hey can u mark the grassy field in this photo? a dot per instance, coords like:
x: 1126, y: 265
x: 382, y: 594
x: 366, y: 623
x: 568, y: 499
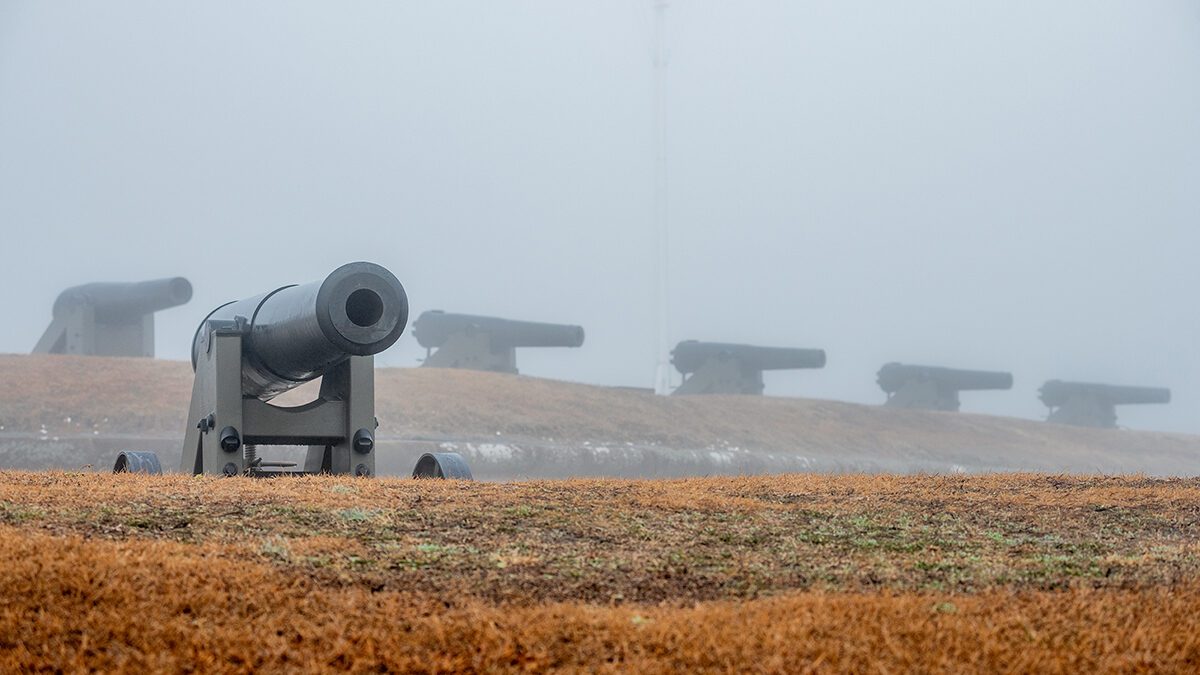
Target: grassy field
x: 780, y: 574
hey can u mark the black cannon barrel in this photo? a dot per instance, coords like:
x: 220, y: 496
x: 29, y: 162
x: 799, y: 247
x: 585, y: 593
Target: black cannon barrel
x: 893, y: 376
x: 434, y: 327
x: 1055, y: 393
x: 689, y: 355
x: 126, y: 299
x: 295, y: 333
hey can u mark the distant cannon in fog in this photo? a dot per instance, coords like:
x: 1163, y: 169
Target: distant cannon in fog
x: 721, y: 368
x: 110, y: 319
x: 933, y: 387
x: 1085, y: 404
x: 484, y: 342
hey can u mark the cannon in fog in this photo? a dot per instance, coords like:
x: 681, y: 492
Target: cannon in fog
x: 1084, y: 404
x: 110, y: 319
x: 720, y: 368
x: 245, y: 353
x: 933, y: 387
x: 485, y: 342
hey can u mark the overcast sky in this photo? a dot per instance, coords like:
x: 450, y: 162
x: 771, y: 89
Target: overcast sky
x: 977, y: 184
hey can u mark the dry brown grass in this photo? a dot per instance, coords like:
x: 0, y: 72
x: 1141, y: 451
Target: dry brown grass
x: 73, y: 604
x: 782, y: 574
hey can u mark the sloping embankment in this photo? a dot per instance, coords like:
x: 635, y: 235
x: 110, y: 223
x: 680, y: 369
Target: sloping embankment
x: 59, y: 411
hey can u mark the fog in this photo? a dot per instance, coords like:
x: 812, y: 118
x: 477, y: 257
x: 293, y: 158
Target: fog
x: 985, y: 185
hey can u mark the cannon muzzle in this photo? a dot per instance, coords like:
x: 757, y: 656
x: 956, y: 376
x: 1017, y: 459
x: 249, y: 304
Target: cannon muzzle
x: 893, y: 376
x: 295, y: 333
x: 690, y: 355
x: 123, y: 301
x: 435, y: 327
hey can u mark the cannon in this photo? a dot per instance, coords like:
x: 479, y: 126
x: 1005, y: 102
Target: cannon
x: 1086, y: 404
x: 110, y: 319
x: 934, y: 387
x: 721, y: 368
x: 246, y: 353
x: 485, y: 342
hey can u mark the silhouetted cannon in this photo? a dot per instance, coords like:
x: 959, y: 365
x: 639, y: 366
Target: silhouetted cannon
x: 722, y: 368
x: 485, y: 342
x: 1087, y: 404
x: 934, y: 387
x: 247, y: 352
x: 110, y: 319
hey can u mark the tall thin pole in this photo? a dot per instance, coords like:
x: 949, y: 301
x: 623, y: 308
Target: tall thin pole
x: 662, y: 372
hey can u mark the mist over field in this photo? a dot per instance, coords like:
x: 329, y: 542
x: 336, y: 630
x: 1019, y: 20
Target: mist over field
x: 982, y: 185
x: 988, y: 197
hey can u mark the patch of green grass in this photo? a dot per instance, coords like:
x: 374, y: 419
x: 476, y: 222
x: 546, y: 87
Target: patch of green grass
x: 861, y: 522
x: 277, y: 548
x: 356, y: 514
x: 999, y: 538
x: 12, y: 514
